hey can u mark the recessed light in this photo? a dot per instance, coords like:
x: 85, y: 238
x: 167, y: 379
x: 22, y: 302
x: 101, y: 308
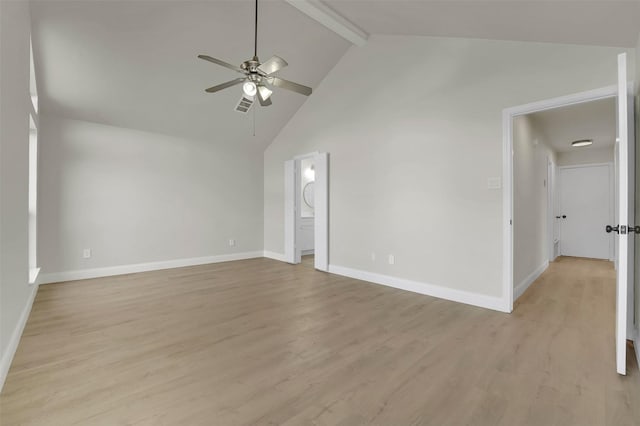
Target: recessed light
x: 582, y: 142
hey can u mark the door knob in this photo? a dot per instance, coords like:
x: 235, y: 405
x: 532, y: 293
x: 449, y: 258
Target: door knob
x: 610, y: 228
x: 564, y: 216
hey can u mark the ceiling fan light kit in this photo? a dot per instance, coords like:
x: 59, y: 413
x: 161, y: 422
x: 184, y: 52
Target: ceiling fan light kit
x: 256, y: 77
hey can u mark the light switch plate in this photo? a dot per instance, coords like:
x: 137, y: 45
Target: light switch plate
x: 494, y: 183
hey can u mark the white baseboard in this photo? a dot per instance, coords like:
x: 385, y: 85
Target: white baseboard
x: 307, y: 252
x: 524, y: 285
x: 7, y: 356
x: 636, y: 346
x: 275, y: 256
x: 480, y: 300
x: 84, y: 274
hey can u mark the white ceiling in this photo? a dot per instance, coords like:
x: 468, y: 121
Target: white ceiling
x: 590, y: 120
x: 601, y: 23
x: 134, y: 64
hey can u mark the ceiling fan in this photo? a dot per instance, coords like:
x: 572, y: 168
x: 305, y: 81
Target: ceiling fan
x: 256, y: 77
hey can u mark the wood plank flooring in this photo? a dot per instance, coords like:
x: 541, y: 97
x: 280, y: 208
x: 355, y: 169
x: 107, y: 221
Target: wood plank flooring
x: 259, y: 342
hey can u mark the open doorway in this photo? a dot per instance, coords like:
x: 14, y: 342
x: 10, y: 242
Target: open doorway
x: 618, y: 284
x: 563, y: 186
x: 307, y: 210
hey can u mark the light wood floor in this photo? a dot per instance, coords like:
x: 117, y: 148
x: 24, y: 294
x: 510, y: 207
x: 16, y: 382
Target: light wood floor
x: 259, y: 342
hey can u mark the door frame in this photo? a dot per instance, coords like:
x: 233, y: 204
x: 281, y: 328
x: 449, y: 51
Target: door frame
x: 611, y: 218
x: 292, y: 203
x: 552, y: 188
x: 508, y: 114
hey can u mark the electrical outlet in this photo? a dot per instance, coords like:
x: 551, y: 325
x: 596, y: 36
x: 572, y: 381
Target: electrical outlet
x: 86, y: 253
x: 232, y: 242
x: 392, y: 259
x: 373, y: 257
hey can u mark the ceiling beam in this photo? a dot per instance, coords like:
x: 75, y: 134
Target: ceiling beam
x: 322, y: 13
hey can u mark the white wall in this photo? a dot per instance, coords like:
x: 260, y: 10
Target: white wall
x: 15, y: 292
x: 413, y: 141
x: 135, y: 197
x: 585, y: 156
x: 637, y: 218
x: 530, y: 233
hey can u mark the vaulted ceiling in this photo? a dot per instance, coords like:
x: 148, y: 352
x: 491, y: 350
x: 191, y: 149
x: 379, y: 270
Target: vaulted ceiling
x: 600, y: 23
x: 133, y: 63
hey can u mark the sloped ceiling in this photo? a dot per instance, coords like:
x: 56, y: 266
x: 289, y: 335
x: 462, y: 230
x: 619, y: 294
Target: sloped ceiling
x: 601, y: 23
x: 133, y: 64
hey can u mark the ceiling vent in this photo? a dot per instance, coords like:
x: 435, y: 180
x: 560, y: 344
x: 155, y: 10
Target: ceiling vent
x: 245, y: 104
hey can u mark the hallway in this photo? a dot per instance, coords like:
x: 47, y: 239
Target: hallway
x: 573, y: 303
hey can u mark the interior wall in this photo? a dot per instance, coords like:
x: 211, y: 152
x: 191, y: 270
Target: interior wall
x: 136, y: 197
x: 530, y: 233
x: 413, y: 141
x: 585, y: 156
x: 14, y: 171
x: 637, y: 218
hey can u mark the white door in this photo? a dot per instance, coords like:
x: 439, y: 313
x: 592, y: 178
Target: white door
x: 585, y: 205
x: 626, y: 202
x: 321, y: 196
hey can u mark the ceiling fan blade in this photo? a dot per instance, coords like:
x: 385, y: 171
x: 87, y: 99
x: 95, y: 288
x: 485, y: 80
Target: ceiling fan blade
x: 263, y: 101
x: 275, y: 63
x: 290, y: 85
x: 224, y: 85
x: 222, y: 63
x: 264, y: 95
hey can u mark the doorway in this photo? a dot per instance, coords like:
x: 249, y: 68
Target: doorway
x: 307, y: 210
x: 532, y: 193
x: 562, y: 186
x: 624, y: 177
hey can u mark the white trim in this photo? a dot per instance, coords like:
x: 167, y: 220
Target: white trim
x: 84, y: 274
x: 326, y: 16
x: 321, y: 212
x: 460, y: 296
x: 581, y: 166
x: 507, y: 172
x: 304, y: 156
x: 275, y: 256
x: 12, y: 347
x: 529, y: 279
x: 552, y: 189
x: 33, y: 275
x: 290, y: 178
x: 636, y: 346
x: 562, y: 101
x: 625, y: 247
